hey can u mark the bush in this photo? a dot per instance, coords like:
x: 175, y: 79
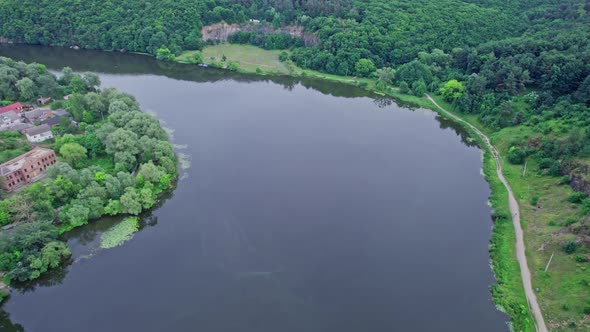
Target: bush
x: 283, y: 56
x: 555, y: 169
x: 500, y: 215
x: 216, y: 64
x: 586, y: 206
x: 57, y: 104
x: 4, y: 295
x: 565, y: 180
x: 268, y: 41
x: 419, y: 88
x: 164, y: 54
x: 546, y: 163
x: 198, y: 57
x: 581, y: 259
x: 570, y: 221
x: 404, y: 88
x: 516, y: 155
x: 381, y: 86
x: 570, y: 247
x: 364, y: 67
x: 233, y: 66
x: 576, y: 197
x: 452, y: 90
x: 535, y: 200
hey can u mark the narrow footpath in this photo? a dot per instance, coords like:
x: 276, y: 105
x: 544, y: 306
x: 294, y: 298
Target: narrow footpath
x: 525, y: 273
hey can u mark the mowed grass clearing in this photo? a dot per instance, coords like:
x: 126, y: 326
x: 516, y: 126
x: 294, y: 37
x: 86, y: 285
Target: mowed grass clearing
x: 249, y: 57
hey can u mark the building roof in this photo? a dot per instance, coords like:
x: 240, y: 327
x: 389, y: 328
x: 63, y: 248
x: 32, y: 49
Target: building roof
x: 38, y: 130
x: 54, y: 120
x: 11, y: 115
x: 37, y: 113
x: 16, y: 107
x: 18, y: 162
x: 20, y: 126
x: 61, y: 112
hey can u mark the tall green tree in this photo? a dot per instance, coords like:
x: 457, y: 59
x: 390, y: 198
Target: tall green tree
x: 73, y: 153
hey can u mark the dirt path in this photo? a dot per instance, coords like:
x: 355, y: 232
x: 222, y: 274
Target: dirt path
x: 525, y: 273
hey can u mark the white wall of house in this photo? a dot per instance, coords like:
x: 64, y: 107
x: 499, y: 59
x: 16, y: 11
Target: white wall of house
x: 39, y: 137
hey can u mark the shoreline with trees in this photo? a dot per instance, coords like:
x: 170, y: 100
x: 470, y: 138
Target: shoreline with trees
x: 116, y: 161
x: 509, y: 293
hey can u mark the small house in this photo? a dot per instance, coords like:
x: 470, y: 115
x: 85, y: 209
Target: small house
x: 16, y: 107
x: 38, y: 133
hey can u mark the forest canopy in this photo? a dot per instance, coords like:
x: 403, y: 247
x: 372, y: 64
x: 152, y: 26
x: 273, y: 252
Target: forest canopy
x: 514, y: 62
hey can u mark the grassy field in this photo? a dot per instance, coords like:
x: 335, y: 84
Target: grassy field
x: 249, y: 58
x: 564, y: 290
x: 508, y: 292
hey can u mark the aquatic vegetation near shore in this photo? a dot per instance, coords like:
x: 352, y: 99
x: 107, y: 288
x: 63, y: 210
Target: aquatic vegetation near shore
x: 119, y: 233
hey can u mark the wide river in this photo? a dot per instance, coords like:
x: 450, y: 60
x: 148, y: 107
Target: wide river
x: 302, y: 206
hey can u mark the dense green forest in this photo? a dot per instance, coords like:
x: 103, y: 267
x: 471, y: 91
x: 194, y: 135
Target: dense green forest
x: 116, y: 161
x: 516, y: 62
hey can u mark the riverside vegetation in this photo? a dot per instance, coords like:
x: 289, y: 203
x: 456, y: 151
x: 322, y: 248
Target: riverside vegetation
x: 116, y: 161
x: 518, y: 70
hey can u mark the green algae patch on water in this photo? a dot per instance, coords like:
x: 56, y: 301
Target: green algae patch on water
x: 119, y: 233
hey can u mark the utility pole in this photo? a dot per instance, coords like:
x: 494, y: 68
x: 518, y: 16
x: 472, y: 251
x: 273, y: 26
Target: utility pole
x: 550, y: 258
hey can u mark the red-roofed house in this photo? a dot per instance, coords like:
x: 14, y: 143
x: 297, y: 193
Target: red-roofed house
x: 16, y: 107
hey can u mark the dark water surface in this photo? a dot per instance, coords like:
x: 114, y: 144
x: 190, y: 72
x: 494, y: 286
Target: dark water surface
x: 307, y: 206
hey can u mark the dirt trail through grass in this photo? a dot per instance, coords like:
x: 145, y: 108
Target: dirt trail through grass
x: 514, y: 210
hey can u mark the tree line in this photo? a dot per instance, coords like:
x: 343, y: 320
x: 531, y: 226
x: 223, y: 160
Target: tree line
x: 508, y: 62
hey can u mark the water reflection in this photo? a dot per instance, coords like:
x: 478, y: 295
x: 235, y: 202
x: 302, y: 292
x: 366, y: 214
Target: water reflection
x: 56, y: 58
x: 85, y: 242
x: 460, y: 130
x: 124, y: 63
x: 6, y: 325
x: 303, y: 212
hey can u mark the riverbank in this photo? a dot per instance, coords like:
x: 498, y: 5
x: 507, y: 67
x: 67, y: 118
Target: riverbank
x: 559, y: 279
x: 556, y: 302
x: 563, y: 292
x: 109, y: 158
x: 493, y: 162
